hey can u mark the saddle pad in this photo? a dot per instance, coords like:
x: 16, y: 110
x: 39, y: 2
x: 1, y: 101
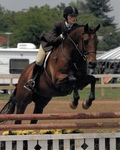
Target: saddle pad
x: 46, y: 58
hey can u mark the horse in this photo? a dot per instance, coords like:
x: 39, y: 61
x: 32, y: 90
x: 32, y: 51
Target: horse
x: 71, y: 57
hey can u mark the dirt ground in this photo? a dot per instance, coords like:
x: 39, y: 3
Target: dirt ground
x: 62, y: 106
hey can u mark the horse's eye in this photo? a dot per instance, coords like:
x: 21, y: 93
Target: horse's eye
x: 86, y: 42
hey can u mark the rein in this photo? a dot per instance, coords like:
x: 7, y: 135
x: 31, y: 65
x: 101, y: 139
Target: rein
x: 82, y: 54
x: 76, y: 46
x: 83, y: 45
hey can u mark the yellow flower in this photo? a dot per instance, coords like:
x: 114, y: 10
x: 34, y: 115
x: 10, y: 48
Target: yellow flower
x: 46, y: 131
x: 57, y: 132
x: 5, y: 133
x: 18, y: 132
x: 26, y: 132
x: 9, y: 132
x: 32, y: 132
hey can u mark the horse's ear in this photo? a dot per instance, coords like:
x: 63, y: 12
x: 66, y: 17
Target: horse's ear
x: 97, y: 28
x: 86, y: 27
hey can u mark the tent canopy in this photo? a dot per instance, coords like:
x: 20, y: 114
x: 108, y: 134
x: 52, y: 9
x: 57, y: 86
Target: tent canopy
x: 112, y: 54
x: 108, y: 62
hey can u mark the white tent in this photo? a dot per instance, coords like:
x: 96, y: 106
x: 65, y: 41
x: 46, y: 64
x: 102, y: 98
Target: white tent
x: 112, y: 54
x: 108, y: 61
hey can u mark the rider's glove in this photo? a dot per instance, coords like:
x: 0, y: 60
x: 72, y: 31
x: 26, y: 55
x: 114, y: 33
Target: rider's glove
x: 64, y: 34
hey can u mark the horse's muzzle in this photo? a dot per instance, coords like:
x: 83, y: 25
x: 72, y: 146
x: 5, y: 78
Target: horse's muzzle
x: 92, y: 65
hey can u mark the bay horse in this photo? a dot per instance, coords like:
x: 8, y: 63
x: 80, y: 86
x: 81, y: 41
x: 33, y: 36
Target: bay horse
x: 71, y: 57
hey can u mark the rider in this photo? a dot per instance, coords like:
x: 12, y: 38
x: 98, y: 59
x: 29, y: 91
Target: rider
x: 52, y: 39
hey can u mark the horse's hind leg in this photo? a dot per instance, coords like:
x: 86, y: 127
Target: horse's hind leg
x: 40, y: 103
x: 88, y: 102
x: 20, y: 110
x: 22, y: 103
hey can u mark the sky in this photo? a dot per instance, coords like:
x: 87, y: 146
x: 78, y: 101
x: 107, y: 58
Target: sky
x: 18, y: 5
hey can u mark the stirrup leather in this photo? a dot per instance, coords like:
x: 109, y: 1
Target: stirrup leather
x: 29, y: 85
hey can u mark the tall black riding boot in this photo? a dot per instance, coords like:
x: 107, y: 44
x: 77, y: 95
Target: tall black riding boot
x: 30, y: 84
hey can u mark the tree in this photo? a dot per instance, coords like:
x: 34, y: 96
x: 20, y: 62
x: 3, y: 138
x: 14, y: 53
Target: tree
x: 112, y: 40
x: 27, y: 26
x: 99, y: 8
x: 3, y: 22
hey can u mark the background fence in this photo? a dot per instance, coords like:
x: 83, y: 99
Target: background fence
x: 9, y: 81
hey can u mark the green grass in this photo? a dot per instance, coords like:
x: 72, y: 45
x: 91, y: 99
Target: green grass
x: 4, y: 96
x: 109, y: 93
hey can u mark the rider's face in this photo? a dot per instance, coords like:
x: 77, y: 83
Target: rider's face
x: 72, y: 19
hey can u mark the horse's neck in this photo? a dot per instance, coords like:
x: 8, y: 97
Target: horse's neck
x: 71, y: 49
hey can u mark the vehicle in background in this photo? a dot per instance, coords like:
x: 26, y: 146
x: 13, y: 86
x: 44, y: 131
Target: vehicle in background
x: 14, y: 60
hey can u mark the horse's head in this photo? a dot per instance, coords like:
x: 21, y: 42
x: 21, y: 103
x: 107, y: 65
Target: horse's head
x: 89, y: 44
x: 85, y: 40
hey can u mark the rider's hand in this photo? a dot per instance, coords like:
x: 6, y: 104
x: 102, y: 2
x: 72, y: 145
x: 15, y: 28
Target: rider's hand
x: 64, y: 34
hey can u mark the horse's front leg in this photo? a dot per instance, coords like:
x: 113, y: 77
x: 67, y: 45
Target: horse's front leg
x: 76, y: 98
x: 88, y: 102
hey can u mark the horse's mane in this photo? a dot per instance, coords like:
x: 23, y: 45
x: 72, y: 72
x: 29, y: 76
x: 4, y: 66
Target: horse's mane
x: 78, y: 26
x: 89, y: 29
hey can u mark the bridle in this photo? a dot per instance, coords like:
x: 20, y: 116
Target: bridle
x: 76, y: 47
x: 84, y: 52
x: 84, y: 48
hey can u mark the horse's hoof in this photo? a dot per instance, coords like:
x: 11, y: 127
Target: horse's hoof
x: 84, y: 106
x: 72, y: 106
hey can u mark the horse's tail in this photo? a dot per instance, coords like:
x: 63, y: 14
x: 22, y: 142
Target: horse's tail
x: 9, y: 107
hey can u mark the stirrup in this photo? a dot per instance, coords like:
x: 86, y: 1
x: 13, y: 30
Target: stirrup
x: 72, y: 78
x: 29, y: 85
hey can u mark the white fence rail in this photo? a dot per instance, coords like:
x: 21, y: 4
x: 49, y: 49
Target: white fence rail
x: 8, y: 81
x: 84, y: 141
x: 11, y: 77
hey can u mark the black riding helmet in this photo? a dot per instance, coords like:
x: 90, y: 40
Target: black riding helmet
x: 70, y: 11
